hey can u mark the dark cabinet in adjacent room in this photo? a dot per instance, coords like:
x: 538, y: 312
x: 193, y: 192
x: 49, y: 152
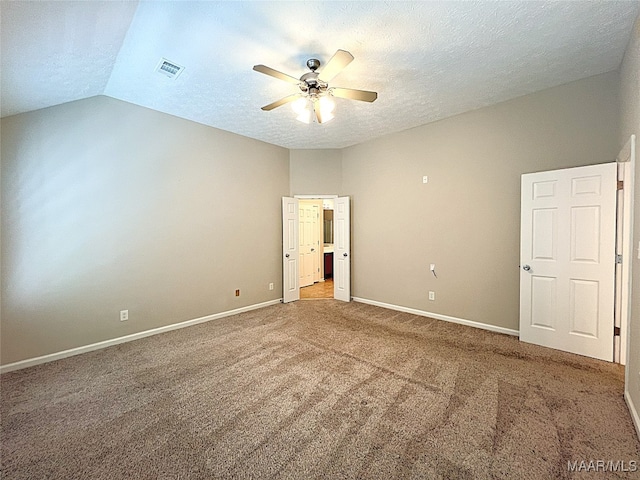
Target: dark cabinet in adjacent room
x: 328, y: 265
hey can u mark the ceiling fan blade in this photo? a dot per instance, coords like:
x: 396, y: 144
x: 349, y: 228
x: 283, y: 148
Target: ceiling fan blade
x: 275, y: 73
x: 334, y: 66
x: 352, y: 94
x: 282, y: 101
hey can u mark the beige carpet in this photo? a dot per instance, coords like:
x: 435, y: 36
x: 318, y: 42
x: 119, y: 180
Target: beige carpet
x: 317, y: 389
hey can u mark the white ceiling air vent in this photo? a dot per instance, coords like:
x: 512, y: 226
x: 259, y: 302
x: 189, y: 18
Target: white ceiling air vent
x: 170, y: 69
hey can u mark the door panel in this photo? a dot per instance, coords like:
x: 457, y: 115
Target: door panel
x: 290, y: 290
x: 543, y: 310
x: 544, y: 242
x: 568, y: 257
x: 585, y: 234
x: 584, y: 308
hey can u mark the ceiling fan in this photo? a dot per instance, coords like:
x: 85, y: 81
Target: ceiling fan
x: 315, y: 90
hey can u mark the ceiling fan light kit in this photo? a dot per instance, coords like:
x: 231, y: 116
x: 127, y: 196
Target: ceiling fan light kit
x: 315, y: 93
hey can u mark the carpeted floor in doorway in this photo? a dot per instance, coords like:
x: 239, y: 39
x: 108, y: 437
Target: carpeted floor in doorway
x: 319, y: 389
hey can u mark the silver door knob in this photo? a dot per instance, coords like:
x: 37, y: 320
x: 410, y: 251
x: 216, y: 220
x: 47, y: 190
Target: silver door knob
x: 526, y: 268
x: 286, y: 255
x: 344, y: 254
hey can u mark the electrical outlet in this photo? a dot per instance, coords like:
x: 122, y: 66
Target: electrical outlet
x: 271, y: 286
x: 425, y: 179
x: 237, y: 292
x: 124, y: 315
x: 432, y: 267
x: 432, y: 296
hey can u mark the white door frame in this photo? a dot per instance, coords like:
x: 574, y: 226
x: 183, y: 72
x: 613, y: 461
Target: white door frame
x: 626, y: 161
x: 314, y: 197
x: 317, y: 197
x: 626, y: 172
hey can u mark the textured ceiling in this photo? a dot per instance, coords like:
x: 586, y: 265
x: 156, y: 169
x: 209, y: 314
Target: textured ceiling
x: 426, y: 60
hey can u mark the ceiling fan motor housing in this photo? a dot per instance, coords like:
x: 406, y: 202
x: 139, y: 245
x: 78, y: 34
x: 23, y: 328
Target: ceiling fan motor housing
x: 309, y: 82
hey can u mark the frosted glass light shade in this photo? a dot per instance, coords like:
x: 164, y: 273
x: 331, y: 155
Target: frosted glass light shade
x: 300, y: 105
x: 304, y: 116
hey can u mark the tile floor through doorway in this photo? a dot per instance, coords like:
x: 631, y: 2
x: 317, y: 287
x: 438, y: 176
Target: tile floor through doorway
x: 318, y: 290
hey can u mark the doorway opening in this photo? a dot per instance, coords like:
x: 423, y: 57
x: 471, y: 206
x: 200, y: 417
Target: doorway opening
x: 316, y: 247
x: 597, y: 324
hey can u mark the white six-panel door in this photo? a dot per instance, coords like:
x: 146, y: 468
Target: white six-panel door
x: 567, y: 256
x: 308, y: 240
x: 317, y: 251
x: 342, y: 249
x: 290, y: 255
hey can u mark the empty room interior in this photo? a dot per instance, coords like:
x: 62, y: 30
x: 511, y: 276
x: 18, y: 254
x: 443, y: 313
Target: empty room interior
x: 319, y: 239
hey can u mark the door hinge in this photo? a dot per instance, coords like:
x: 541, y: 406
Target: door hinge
x: 618, y: 258
x: 616, y: 331
x: 620, y: 185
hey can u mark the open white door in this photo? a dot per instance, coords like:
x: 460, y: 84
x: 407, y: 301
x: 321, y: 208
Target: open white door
x: 567, y: 258
x: 342, y: 249
x: 290, y: 254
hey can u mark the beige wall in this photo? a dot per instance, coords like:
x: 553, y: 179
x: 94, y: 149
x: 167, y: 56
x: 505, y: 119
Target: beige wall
x: 316, y: 172
x: 109, y: 206
x: 630, y: 124
x: 466, y: 220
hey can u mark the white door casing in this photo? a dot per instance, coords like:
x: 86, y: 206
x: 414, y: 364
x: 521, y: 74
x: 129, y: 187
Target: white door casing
x: 619, y: 308
x: 291, y: 242
x: 290, y: 255
x: 342, y: 249
x: 567, y: 258
x: 626, y: 166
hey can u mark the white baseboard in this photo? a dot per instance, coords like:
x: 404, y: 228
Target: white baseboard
x: 633, y: 411
x: 10, y: 367
x: 437, y: 316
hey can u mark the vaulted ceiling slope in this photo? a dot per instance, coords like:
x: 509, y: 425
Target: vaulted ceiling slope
x: 426, y: 60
